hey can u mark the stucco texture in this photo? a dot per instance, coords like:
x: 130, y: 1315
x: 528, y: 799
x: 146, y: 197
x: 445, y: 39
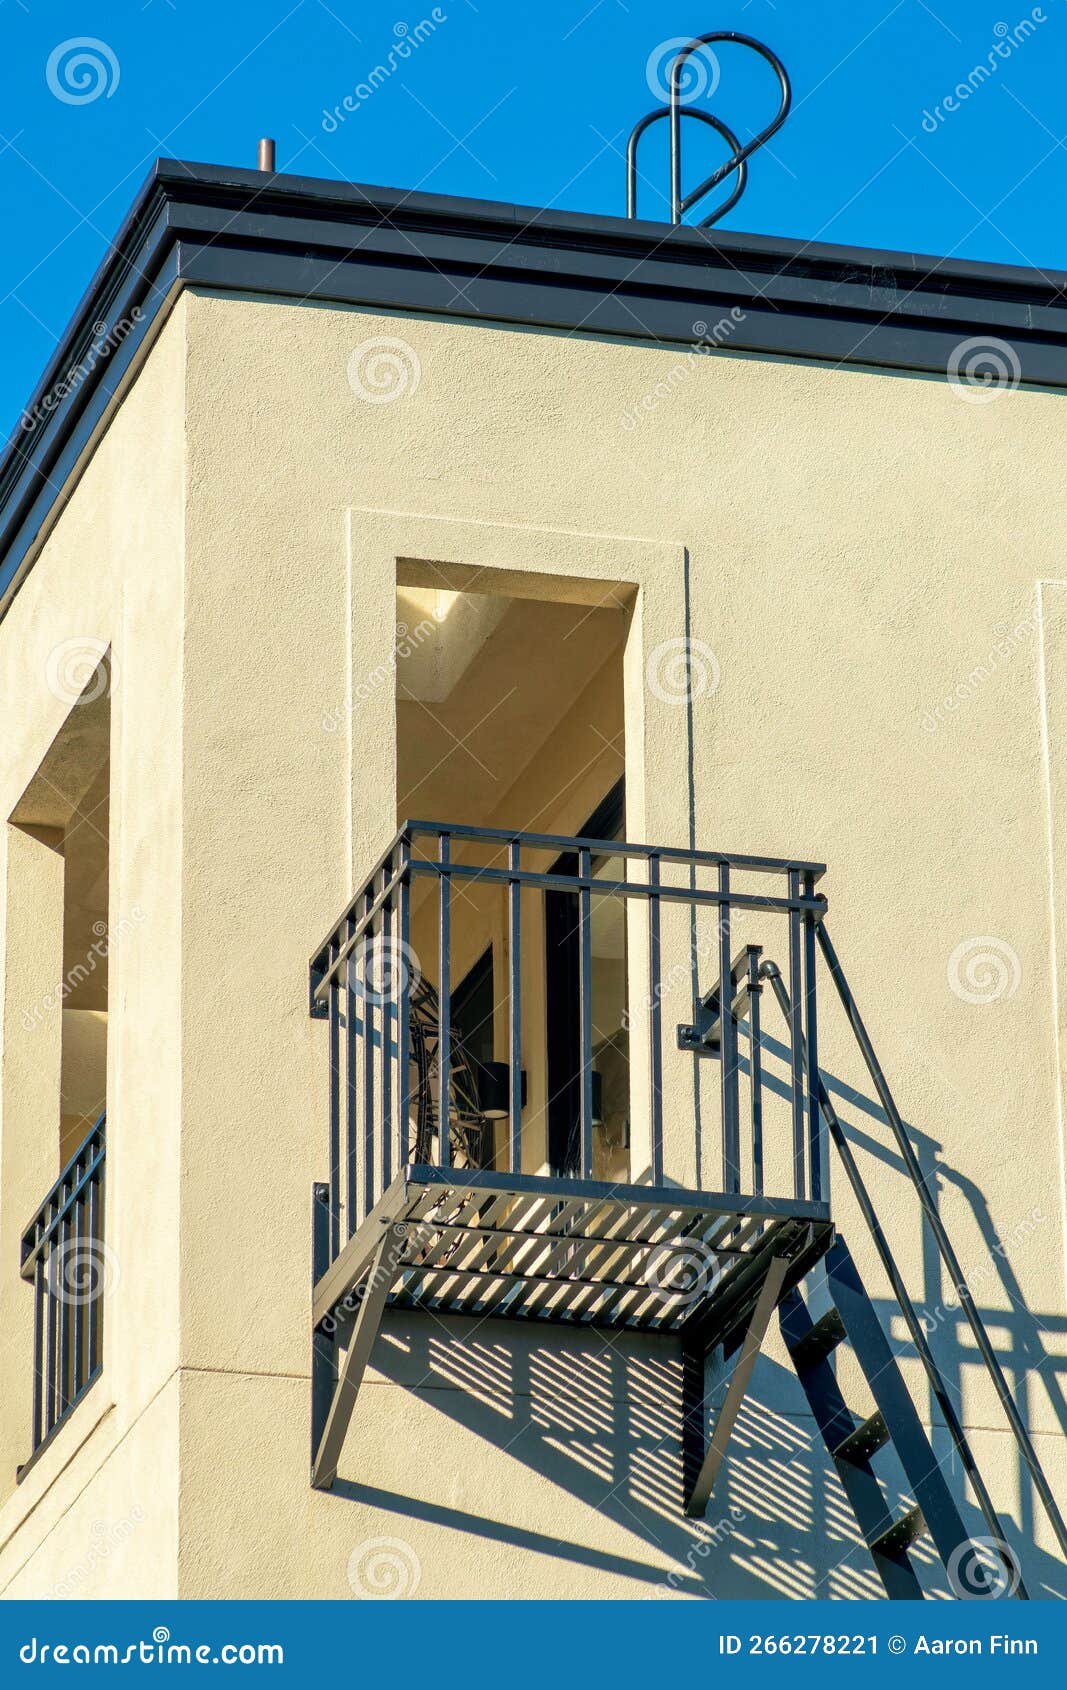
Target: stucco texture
x: 844, y: 550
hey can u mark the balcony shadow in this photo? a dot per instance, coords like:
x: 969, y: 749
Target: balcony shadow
x: 605, y: 1426
x: 601, y: 1417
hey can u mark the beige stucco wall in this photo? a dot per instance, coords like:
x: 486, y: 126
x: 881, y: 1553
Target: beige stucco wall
x: 848, y: 543
x: 850, y: 546
x: 97, y: 1514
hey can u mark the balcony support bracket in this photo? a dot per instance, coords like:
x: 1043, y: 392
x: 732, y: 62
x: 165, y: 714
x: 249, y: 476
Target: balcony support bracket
x: 768, y: 1300
x: 374, y: 1293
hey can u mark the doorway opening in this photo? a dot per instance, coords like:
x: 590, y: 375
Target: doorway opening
x: 509, y: 711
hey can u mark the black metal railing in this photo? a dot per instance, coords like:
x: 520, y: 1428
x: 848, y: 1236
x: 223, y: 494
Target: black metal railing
x: 398, y: 1070
x: 64, y: 1258
x: 366, y: 980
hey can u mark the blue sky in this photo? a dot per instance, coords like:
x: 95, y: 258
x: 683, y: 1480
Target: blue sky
x: 530, y: 103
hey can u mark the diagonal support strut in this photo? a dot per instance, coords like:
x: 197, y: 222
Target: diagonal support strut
x: 766, y: 1303
x: 376, y: 1289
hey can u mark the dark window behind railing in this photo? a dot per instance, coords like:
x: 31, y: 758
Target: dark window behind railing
x: 397, y: 1061
x: 64, y: 1258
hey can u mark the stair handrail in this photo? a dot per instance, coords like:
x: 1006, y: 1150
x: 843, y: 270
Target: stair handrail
x: 944, y: 1243
x: 771, y: 972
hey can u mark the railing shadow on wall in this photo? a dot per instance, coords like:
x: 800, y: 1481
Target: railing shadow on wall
x: 606, y: 1428
x: 606, y: 1424
x: 1018, y: 1332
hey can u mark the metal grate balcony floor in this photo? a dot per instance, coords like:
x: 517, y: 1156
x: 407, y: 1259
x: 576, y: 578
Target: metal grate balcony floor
x: 577, y: 1252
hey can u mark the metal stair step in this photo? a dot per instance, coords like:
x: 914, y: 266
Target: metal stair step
x: 818, y: 1343
x: 841, y: 1431
x: 900, y: 1535
x: 864, y: 1441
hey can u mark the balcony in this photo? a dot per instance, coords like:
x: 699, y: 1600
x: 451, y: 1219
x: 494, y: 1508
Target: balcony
x: 62, y: 1258
x: 453, y: 1190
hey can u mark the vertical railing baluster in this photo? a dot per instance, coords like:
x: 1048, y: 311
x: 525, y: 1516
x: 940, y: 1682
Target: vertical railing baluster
x: 731, y: 1129
x: 62, y: 1285
x: 71, y: 1282
x: 334, y: 1001
x: 515, y: 1008
x: 755, y: 993
x: 96, y: 1307
x: 796, y: 1035
x: 50, y: 1345
x: 324, y: 1338
x: 816, y: 1165
x: 92, y: 1338
x: 388, y: 980
x: 351, y: 1151
x: 655, y: 1020
x: 81, y: 1254
x: 444, y: 1046
x: 78, y: 1371
x: 39, y: 1305
x: 78, y: 1312
x: 369, y: 945
x: 585, y: 1003
x: 403, y: 1044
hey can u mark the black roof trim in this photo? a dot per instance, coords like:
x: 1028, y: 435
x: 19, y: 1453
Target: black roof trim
x: 309, y: 238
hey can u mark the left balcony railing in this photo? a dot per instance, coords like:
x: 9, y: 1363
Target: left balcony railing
x: 63, y: 1257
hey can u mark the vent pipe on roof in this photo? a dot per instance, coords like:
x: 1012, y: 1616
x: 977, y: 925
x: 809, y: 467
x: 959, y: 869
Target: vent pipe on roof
x: 266, y: 155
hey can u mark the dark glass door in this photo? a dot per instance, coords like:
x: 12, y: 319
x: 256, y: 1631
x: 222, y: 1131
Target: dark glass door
x: 611, y: 1066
